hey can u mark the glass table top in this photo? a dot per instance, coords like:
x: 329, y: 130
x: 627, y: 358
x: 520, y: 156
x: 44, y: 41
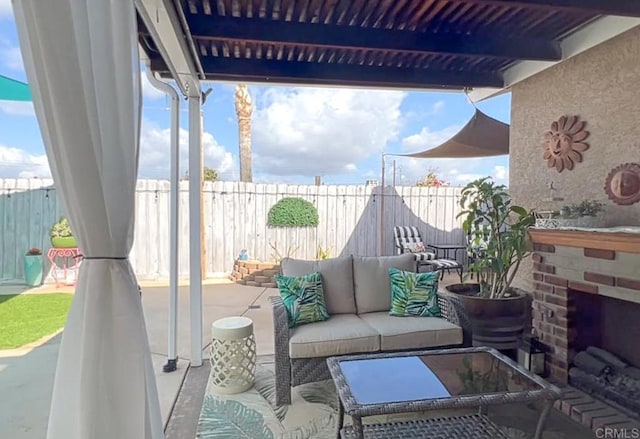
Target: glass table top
x: 413, y: 378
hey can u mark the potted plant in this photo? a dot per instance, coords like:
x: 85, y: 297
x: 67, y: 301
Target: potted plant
x: 583, y: 214
x: 33, y: 267
x: 498, y: 239
x: 61, y: 235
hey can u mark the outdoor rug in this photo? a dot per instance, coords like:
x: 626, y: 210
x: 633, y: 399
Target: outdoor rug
x: 313, y: 414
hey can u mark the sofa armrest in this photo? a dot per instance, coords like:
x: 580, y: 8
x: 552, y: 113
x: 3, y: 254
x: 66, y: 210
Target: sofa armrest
x: 281, y: 348
x: 453, y: 310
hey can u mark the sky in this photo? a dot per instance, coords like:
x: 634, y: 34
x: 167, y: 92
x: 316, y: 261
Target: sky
x: 339, y: 134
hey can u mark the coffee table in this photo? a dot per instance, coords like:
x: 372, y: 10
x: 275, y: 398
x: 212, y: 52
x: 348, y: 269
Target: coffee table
x: 404, y: 382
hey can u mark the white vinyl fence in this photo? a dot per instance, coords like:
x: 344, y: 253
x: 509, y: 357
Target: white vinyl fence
x: 234, y: 218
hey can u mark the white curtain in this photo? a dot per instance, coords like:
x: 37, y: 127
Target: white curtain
x: 82, y: 64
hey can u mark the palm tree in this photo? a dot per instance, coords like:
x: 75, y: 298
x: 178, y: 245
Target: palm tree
x: 244, y: 108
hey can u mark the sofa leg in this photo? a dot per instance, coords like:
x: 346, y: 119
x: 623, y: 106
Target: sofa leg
x: 283, y: 396
x: 283, y: 386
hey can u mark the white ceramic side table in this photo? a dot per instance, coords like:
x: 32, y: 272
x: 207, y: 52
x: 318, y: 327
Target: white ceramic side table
x: 233, y: 355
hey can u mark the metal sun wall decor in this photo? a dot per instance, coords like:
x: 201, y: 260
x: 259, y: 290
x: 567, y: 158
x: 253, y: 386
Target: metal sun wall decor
x: 564, y: 143
x: 623, y: 184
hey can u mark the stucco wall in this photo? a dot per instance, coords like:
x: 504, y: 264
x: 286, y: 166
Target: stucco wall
x: 602, y: 86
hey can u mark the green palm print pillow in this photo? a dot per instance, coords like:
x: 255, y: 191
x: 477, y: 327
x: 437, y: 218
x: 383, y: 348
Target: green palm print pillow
x: 414, y: 294
x: 303, y: 298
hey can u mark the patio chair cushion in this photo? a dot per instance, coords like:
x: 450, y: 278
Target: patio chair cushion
x: 413, y: 247
x: 414, y: 294
x: 442, y: 264
x: 399, y: 333
x: 303, y: 298
x: 341, y: 334
x: 337, y: 280
x: 371, y: 280
x: 424, y: 256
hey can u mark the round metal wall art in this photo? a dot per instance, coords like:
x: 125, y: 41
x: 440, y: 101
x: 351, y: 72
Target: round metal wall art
x: 623, y: 184
x: 564, y: 143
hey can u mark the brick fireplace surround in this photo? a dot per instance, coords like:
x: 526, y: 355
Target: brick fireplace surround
x: 567, y: 266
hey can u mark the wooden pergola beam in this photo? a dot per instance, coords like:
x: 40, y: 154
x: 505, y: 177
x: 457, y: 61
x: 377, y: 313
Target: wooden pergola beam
x: 625, y: 8
x: 294, y: 72
x: 256, y: 30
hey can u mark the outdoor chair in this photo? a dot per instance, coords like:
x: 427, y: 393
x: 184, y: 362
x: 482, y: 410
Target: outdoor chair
x: 408, y: 240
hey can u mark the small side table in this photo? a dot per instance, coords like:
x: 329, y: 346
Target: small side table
x: 60, y: 266
x: 233, y: 355
x: 446, y: 248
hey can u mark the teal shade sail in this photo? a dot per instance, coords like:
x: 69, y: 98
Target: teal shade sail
x: 12, y: 90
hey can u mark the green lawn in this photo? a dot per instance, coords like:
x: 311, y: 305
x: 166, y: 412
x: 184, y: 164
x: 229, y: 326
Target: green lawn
x: 25, y: 318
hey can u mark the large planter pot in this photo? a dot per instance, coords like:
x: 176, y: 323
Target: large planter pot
x: 33, y: 270
x: 64, y: 242
x: 498, y: 323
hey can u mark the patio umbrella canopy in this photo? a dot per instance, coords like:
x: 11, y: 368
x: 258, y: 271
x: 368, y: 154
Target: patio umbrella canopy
x: 482, y: 136
x: 12, y: 90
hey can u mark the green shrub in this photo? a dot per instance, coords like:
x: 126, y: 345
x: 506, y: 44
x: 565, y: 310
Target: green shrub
x: 293, y: 212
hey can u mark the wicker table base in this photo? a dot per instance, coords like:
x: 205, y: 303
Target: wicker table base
x: 459, y: 427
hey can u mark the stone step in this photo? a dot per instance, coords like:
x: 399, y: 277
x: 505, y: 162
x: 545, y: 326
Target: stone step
x: 268, y: 266
x: 251, y: 283
x: 262, y: 279
x: 270, y: 272
x: 270, y: 285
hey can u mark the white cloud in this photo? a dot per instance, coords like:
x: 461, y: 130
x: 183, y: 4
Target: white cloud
x: 155, y: 153
x: 154, y: 157
x: 5, y: 9
x: 501, y: 174
x: 456, y: 172
x: 438, y: 106
x: 12, y: 58
x: 427, y: 139
x: 16, y: 108
x: 321, y: 131
x: 17, y: 163
x: 148, y: 90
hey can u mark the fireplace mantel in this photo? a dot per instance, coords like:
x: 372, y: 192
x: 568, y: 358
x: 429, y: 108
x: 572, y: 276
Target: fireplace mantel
x: 602, y: 240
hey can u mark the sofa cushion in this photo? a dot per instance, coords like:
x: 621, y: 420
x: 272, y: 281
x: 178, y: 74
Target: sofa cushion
x: 341, y: 334
x: 397, y: 333
x: 337, y: 280
x: 303, y: 298
x: 371, y: 280
x: 414, y: 294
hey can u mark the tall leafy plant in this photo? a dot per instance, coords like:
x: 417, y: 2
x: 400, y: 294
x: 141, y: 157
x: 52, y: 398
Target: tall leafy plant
x: 497, y: 232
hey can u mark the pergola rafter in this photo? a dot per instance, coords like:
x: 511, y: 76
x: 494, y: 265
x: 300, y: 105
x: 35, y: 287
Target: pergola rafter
x: 411, y: 44
x: 623, y: 8
x: 353, y: 38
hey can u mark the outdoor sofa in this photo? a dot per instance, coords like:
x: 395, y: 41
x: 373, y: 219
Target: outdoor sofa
x: 358, y: 299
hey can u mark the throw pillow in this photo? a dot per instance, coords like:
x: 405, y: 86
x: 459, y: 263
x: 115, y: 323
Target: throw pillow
x: 303, y: 298
x: 414, y: 294
x: 413, y: 247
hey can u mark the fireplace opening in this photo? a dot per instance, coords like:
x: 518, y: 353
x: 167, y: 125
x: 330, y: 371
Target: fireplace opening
x: 606, y: 360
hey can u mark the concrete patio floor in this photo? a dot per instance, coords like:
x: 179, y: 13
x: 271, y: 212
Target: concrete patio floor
x: 26, y: 374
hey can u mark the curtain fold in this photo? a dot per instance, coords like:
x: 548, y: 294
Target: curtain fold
x: 81, y: 59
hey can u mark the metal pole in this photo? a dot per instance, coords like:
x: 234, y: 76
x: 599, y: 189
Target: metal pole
x: 381, y: 244
x: 195, y: 251
x: 394, y: 173
x: 174, y: 218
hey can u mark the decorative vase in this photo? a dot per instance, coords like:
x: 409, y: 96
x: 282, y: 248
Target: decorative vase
x: 33, y: 269
x: 64, y: 242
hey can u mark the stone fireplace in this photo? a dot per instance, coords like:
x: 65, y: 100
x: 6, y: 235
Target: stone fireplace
x: 586, y: 295
x: 570, y: 264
